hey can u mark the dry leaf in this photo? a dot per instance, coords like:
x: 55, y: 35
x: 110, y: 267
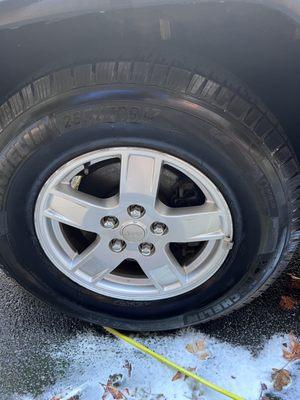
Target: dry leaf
x: 294, y: 282
x: 200, y: 344
x: 104, y: 396
x: 128, y: 366
x: 293, y: 353
x: 191, y: 348
x: 287, y: 303
x: 204, y: 356
x: 177, y: 376
x: 191, y: 369
x: 196, y: 346
x: 280, y: 378
x: 116, y: 394
x: 114, y: 379
x: 180, y: 375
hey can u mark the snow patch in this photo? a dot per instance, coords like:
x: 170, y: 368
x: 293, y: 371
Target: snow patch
x: 93, y: 358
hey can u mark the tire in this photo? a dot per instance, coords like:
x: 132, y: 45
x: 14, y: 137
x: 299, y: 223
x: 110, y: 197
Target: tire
x: 200, y: 115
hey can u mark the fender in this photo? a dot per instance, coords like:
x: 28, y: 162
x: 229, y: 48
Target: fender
x: 25, y: 55
x: 17, y: 13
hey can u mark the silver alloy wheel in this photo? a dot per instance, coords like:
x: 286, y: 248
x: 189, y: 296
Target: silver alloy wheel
x: 133, y: 224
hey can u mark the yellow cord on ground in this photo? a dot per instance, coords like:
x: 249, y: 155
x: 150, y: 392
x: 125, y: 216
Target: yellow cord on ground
x: 171, y: 364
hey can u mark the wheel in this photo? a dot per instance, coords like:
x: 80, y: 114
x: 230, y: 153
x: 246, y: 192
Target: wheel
x: 142, y: 195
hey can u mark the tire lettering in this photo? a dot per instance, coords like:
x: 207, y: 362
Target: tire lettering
x: 108, y: 114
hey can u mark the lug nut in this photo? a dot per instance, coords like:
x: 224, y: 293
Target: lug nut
x: 136, y: 211
x: 109, y: 222
x: 158, y: 228
x: 117, y: 245
x: 147, y: 249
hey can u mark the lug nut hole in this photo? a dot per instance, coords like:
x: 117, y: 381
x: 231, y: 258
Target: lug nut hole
x: 159, y: 228
x: 117, y: 245
x: 109, y: 222
x: 147, y: 249
x: 136, y: 211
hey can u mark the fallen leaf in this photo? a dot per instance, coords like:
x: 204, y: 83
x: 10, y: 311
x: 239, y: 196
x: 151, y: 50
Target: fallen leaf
x: 287, y: 303
x: 280, y: 378
x: 128, y: 366
x: 294, y: 282
x: 204, y: 356
x: 177, y: 376
x: 113, y: 380
x: 200, y: 344
x: 195, y: 347
x: 191, y: 369
x: 116, y: 393
x: 191, y: 348
x: 180, y: 375
x: 105, y: 394
x: 293, y: 353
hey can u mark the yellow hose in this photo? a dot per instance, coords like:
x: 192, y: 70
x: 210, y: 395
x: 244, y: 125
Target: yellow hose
x: 171, y: 364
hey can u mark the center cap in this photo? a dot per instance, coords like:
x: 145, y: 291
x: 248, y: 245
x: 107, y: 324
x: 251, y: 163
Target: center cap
x: 133, y: 233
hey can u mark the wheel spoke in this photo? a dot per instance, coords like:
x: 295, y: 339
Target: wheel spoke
x: 193, y: 224
x: 139, y: 178
x: 96, y: 261
x: 163, y: 269
x: 77, y: 209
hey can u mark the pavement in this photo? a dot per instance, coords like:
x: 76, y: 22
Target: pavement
x: 30, y: 328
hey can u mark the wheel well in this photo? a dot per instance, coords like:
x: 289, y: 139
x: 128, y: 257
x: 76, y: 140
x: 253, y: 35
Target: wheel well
x: 259, y: 45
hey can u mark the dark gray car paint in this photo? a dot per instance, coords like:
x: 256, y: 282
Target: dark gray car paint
x: 16, y: 13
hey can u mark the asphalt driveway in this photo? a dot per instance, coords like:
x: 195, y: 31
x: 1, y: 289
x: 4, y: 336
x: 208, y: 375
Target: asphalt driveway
x: 28, y: 328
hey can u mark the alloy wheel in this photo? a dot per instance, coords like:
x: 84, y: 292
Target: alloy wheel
x: 133, y: 223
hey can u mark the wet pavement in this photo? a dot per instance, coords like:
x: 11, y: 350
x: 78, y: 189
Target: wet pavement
x: 30, y: 328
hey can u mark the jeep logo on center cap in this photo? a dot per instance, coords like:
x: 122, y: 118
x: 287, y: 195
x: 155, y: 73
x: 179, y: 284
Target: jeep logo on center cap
x: 133, y: 232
